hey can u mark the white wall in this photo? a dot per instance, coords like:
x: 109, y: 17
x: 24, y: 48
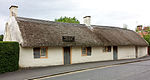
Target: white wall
x: 96, y: 55
x: 12, y: 31
x: 142, y: 51
x: 126, y: 52
x: 55, y: 57
x: 7, y: 35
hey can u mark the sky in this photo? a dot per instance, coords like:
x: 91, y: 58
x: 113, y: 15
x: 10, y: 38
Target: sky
x: 103, y: 12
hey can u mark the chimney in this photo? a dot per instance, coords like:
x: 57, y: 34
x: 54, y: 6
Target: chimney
x: 87, y: 20
x: 13, y: 11
x: 139, y: 27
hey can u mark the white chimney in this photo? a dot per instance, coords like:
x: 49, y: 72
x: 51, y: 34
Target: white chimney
x: 87, y: 20
x: 13, y: 11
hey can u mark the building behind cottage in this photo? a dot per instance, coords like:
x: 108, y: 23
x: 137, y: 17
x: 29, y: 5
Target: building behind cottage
x: 48, y: 43
x: 143, y: 31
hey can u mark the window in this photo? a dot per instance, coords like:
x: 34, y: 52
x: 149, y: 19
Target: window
x: 43, y: 52
x: 86, y: 51
x: 40, y: 52
x: 107, y: 49
x: 36, y: 52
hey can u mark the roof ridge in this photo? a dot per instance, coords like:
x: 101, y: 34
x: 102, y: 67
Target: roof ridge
x: 47, y: 21
x: 99, y: 26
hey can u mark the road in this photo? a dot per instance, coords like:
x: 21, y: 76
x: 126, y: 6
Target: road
x: 131, y: 71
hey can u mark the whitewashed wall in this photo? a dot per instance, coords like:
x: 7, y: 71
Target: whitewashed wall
x: 56, y: 57
x: 26, y: 59
x: 142, y: 51
x: 126, y: 52
x: 12, y: 31
x: 96, y: 55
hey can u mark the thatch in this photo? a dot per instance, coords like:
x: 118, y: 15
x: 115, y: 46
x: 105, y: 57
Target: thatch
x: 36, y: 33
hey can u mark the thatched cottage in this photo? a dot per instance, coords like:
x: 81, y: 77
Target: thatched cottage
x: 48, y: 43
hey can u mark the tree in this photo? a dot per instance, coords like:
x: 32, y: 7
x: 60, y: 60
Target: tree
x: 1, y: 37
x: 125, y: 26
x: 147, y: 38
x: 68, y: 20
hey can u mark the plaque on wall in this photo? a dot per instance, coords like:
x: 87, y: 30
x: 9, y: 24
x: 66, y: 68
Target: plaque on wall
x: 68, y: 38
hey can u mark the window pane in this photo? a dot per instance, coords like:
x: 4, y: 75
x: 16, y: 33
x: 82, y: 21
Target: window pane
x: 104, y: 49
x: 109, y: 48
x: 43, y: 52
x: 89, y: 51
x: 83, y: 51
x: 36, y: 52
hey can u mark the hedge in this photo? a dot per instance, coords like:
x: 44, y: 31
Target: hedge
x: 148, y: 50
x: 9, y: 56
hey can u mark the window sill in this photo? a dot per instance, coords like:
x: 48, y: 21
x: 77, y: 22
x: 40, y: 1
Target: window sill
x: 41, y: 58
x: 84, y: 55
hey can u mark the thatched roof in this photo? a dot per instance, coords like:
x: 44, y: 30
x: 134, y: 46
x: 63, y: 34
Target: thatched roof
x: 36, y: 33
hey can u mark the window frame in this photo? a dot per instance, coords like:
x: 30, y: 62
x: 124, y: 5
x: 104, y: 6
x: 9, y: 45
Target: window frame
x: 41, y: 57
x: 86, y: 51
x: 107, y: 47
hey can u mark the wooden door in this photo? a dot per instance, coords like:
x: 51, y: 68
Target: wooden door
x: 136, y: 51
x: 115, y: 52
x: 67, y: 55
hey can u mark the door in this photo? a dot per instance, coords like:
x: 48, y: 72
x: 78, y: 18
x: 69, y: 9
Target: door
x: 67, y: 59
x: 148, y: 50
x: 115, y: 52
x: 136, y: 51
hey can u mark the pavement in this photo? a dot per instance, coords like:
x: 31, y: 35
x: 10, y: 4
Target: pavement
x: 33, y: 73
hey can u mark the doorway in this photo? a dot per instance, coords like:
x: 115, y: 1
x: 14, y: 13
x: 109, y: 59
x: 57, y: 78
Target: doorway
x: 136, y: 51
x: 67, y: 55
x: 115, y: 53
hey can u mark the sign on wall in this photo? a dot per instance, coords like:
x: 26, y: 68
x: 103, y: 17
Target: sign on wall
x: 68, y: 38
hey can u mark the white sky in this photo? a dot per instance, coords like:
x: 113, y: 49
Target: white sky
x: 102, y: 12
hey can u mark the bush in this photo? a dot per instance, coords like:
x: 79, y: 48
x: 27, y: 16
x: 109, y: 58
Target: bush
x: 1, y: 37
x: 9, y: 56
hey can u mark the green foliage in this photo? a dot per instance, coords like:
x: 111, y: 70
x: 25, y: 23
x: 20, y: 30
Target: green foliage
x: 148, y: 30
x: 67, y: 20
x: 9, y: 56
x: 125, y: 26
x: 1, y: 37
x: 137, y: 30
x: 147, y: 38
